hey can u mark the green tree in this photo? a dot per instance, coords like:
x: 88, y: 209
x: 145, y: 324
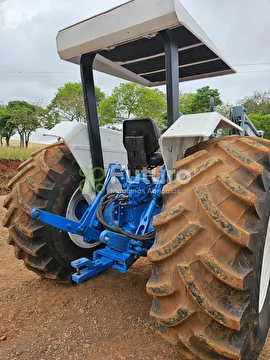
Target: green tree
x: 262, y: 122
x: 50, y: 118
x: 68, y: 104
x: 1, y: 109
x: 25, y: 117
x: 7, y: 128
x: 258, y: 110
x: 109, y: 112
x: 201, y: 101
x: 186, y: 101
x: 131, y: 100
x: 224, y: 109
x: 192, y: 103
x: 258, y: 103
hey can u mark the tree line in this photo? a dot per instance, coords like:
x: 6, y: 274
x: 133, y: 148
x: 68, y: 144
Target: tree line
x: 126, y: 101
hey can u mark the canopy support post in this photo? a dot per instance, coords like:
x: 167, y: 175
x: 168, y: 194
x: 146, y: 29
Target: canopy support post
x: 86, y: 67
x: 172, y: 77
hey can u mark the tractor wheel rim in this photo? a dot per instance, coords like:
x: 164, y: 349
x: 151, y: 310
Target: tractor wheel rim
x: 75, y: 209
x: 265, y: 272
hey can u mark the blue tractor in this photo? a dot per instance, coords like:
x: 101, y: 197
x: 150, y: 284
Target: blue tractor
x: 196, y: 203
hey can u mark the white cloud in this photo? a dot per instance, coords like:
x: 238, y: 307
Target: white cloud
x: 15, y: 12
x: 30, y: 68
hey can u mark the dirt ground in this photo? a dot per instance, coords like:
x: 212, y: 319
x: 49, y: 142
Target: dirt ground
x: 8, y: 169
x: 105, y: 318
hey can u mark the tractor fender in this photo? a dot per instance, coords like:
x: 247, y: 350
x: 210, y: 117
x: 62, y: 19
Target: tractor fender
x: 75, y: 136
x: 188, y: 131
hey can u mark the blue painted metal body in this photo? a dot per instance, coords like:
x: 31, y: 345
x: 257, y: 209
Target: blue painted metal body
x: 127, y: 229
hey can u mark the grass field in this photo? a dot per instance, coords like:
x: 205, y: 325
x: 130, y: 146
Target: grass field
x: 10, y: 158
x: 14, y: 152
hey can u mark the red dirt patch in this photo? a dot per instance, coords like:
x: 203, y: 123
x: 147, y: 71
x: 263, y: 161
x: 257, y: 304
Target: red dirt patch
x: 8, y: 169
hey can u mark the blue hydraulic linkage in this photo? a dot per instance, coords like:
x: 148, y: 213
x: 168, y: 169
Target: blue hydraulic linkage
x: 121, y: 220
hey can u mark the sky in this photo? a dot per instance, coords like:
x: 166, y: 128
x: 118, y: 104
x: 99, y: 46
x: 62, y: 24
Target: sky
x: 31, y: 70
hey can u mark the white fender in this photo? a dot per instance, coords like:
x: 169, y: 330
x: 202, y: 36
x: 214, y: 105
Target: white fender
x: 187, y: 131
x: 75, y: 136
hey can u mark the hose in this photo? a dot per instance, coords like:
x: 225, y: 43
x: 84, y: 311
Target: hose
x: 105, y: 202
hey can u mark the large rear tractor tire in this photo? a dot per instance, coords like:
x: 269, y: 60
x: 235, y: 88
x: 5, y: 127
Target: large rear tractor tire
x: 211, y: 256
x: 48, y: 180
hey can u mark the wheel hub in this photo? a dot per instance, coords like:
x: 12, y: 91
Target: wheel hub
x: 75, y: 210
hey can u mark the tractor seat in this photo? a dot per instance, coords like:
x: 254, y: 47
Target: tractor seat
x: 140, y: 138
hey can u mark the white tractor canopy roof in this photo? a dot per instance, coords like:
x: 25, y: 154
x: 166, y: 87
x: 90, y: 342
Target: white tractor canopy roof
x: 129, y: 45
